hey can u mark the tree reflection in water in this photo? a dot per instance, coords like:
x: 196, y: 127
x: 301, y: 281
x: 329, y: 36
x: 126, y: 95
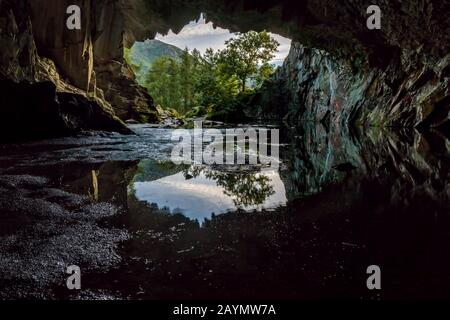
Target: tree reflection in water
x: 198, y: 192
x: 248, y: 188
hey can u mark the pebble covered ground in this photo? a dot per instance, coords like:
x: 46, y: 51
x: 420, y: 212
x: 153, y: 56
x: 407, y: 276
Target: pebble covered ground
x: 44, y: 230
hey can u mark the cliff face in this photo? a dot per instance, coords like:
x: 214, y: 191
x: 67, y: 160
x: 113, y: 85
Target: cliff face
x: 339, y: 71
x: 114, y: 76
x: 312, y: 85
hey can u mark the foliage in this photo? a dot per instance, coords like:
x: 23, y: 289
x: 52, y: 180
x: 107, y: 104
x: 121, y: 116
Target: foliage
x: 215, y: 84
x: 245, y: 54
x: 127, y: 55
x: 163, y: 83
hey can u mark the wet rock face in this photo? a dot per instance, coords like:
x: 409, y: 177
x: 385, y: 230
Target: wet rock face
x: 313, y: 85
x: 92, y: 57
x: 128, y: 99
x: 18, y: 57
x: 70, y: 50
x: 35, y: 101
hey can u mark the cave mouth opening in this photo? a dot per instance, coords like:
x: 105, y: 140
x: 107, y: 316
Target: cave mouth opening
x: 206, y: 70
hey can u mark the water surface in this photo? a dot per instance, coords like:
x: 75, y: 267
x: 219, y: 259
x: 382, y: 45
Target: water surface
x: 147, y: 228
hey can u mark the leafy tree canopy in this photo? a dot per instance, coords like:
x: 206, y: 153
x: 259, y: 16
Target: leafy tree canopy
x: 217, y: 83
x: 245, y: 54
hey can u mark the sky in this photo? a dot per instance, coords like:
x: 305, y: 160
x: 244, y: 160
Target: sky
x: 199, y: 197
x: 201, y: 35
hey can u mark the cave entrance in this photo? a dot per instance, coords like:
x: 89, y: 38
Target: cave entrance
x: 204, y: 70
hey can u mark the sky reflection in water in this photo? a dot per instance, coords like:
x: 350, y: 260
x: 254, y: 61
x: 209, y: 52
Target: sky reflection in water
x: 197, y: 193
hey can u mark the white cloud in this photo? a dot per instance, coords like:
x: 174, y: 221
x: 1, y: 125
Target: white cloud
x: 201, y: 35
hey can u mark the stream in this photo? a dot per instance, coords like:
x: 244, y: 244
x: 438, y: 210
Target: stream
x: 142, y: 227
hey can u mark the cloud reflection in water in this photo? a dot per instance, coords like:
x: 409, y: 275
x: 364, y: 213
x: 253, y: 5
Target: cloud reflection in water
x: 199, y: 193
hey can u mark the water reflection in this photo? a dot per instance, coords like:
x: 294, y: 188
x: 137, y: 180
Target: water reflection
x: 199, y: 192
x: 390, y: 208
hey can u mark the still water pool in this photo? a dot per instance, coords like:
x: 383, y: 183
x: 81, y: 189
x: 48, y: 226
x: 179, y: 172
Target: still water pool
x: 140, y: 226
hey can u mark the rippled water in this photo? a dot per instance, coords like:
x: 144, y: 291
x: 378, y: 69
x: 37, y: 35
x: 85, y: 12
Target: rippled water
x: 339, y: 202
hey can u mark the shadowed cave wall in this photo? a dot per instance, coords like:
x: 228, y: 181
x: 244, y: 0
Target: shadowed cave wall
x: 337, y: 71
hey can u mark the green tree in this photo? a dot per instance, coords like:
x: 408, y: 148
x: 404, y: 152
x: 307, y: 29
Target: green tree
x: 127, y: 56
x: 244, y: 55
x: 215, y: 89
x: 163, y: 83
x: 187, y: 79
x: 172, y: 82
x: 175, y: 94
x: 214, y: 83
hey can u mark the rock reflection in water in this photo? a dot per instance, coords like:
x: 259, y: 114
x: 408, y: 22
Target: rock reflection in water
x: 199, y: 192
x: 405, y: 162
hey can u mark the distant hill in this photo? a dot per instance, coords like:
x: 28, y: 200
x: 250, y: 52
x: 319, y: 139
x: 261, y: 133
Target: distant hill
x: 145, y: 53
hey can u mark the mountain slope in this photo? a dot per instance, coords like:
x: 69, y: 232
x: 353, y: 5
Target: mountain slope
x: 143, y: 54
